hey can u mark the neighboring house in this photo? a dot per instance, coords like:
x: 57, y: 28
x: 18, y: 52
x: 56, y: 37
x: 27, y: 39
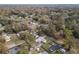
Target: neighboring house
x: 39, y: 42
x: 11, y: 44
x: 41, y: 39
x: 56, y: 47
x: 12, y: 47
x: 13, y: 50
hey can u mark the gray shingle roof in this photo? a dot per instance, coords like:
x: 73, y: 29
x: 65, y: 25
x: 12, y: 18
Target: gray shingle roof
x: 55, y: 47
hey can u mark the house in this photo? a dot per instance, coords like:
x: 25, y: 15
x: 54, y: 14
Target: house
x: 39, y: 42
x: 56, y: 47
x: 41, y: 39
x: 11, y: 44
x: 14, y: 50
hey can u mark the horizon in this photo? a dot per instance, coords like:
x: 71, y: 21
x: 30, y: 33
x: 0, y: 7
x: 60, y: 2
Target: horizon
x: 42, y: 5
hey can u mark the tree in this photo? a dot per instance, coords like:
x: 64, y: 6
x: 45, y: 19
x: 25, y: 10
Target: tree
x: 71, y: 23
x: 14, y: 38
x: 3, y: 48
x: 60, y: 22
x: 68, y: 39
x: 76, y: 33
x: 29, y: 38
x: 8, y: 29
x: 17, y: 27
x: 49, y: 30
x: 44, y: 19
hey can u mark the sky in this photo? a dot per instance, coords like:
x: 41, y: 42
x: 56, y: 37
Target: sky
x: 39, y: 1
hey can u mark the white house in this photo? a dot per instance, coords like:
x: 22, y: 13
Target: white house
x: 41, y: 39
